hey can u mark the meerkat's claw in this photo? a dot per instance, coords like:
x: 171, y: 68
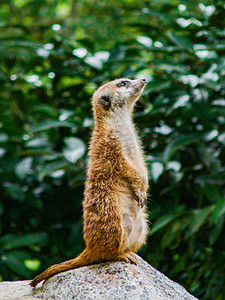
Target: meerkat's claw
x: 143, y: 202
x: 128, y: 257
x: 132, y: 258
x: 141, y: 199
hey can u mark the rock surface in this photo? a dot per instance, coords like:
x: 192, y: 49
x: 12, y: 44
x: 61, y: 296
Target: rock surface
x: 115, y: 280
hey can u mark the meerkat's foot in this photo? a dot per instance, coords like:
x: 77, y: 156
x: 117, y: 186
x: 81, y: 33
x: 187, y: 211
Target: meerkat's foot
x: 128, y: 257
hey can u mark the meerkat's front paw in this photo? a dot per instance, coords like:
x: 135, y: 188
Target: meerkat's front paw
x: 141, y: 198
x: 140, y: 191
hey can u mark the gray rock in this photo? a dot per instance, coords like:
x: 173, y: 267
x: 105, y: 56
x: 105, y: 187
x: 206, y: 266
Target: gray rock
x: 16, y: 290
x: 115, y: 280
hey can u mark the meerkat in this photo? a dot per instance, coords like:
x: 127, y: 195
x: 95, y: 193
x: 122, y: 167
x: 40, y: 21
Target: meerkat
x: 114, y: 211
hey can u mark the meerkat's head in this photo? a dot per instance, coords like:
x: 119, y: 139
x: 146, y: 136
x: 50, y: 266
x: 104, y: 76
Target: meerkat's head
x: 117, y: 96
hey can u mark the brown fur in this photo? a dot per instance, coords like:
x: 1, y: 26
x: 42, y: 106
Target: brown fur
x: 115, y: 222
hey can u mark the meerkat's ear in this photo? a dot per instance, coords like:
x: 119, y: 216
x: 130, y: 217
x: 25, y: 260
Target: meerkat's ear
x: 105, y: 101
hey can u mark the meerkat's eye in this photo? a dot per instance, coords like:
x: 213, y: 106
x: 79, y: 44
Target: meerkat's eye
x: 122, y: 83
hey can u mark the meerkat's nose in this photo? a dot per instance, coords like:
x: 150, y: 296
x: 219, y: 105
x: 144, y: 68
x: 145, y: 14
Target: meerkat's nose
x: 144, y: 80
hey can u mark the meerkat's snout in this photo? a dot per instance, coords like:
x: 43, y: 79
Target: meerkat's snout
x: 140, y: 82
x: 138, y: 86
x: 143, y: 81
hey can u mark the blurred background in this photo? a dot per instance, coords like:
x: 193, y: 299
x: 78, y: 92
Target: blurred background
x: 53, y: 55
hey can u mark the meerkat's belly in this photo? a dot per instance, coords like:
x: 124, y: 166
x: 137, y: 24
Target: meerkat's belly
x: 134, y: 222
x: 135, y: 232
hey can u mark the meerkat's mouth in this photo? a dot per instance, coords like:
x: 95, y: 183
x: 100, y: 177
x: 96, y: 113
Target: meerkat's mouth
x: 142, y: 84
x: 136, y: 90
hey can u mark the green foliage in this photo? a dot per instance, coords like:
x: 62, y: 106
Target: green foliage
x: 50, y: 66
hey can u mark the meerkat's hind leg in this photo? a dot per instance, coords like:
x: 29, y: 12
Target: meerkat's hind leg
x: 128, y: 257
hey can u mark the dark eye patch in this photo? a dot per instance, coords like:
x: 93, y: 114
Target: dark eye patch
x: 105, y: 101
x: 122, y: 83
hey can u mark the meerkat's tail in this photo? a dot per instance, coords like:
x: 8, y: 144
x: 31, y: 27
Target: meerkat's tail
x: 81, y: 260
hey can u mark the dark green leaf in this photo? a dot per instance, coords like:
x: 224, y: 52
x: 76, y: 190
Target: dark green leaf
x: 178, y: 143
x: 11, y: 241
x: 198, y: 218
x: 15, y: 191
x: 52, y: 167
x: 49, y: 125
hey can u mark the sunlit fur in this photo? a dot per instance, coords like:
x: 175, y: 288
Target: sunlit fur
x: 115, y: 222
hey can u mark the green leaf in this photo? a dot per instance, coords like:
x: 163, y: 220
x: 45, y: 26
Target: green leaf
x: 15, y: 191
x: 46, y: 109
x: 203, y: 110
x: 212, y: 192
x: 117, y: 54
x: 24, y: 44
x: 211, y: 179
x: 156, y: 86
x: 32, y: 264
x: 11, y: 241
x: 180, y: 40
x: 169, y: 235
x: 52, y: 167
x: 178, y: 143
x: 156, y: 170
x: 75, y: 148
x: 23, y: 168
x: 219, y: 210
x: 49, y: 125
x: 197, y: 218
x: 39, y: 152
x: 3, y: 137
x: 16, y: 265
x: 164, y: 221
x: 216, y: 231
x: 181, y: 263
x: 38, y: 142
